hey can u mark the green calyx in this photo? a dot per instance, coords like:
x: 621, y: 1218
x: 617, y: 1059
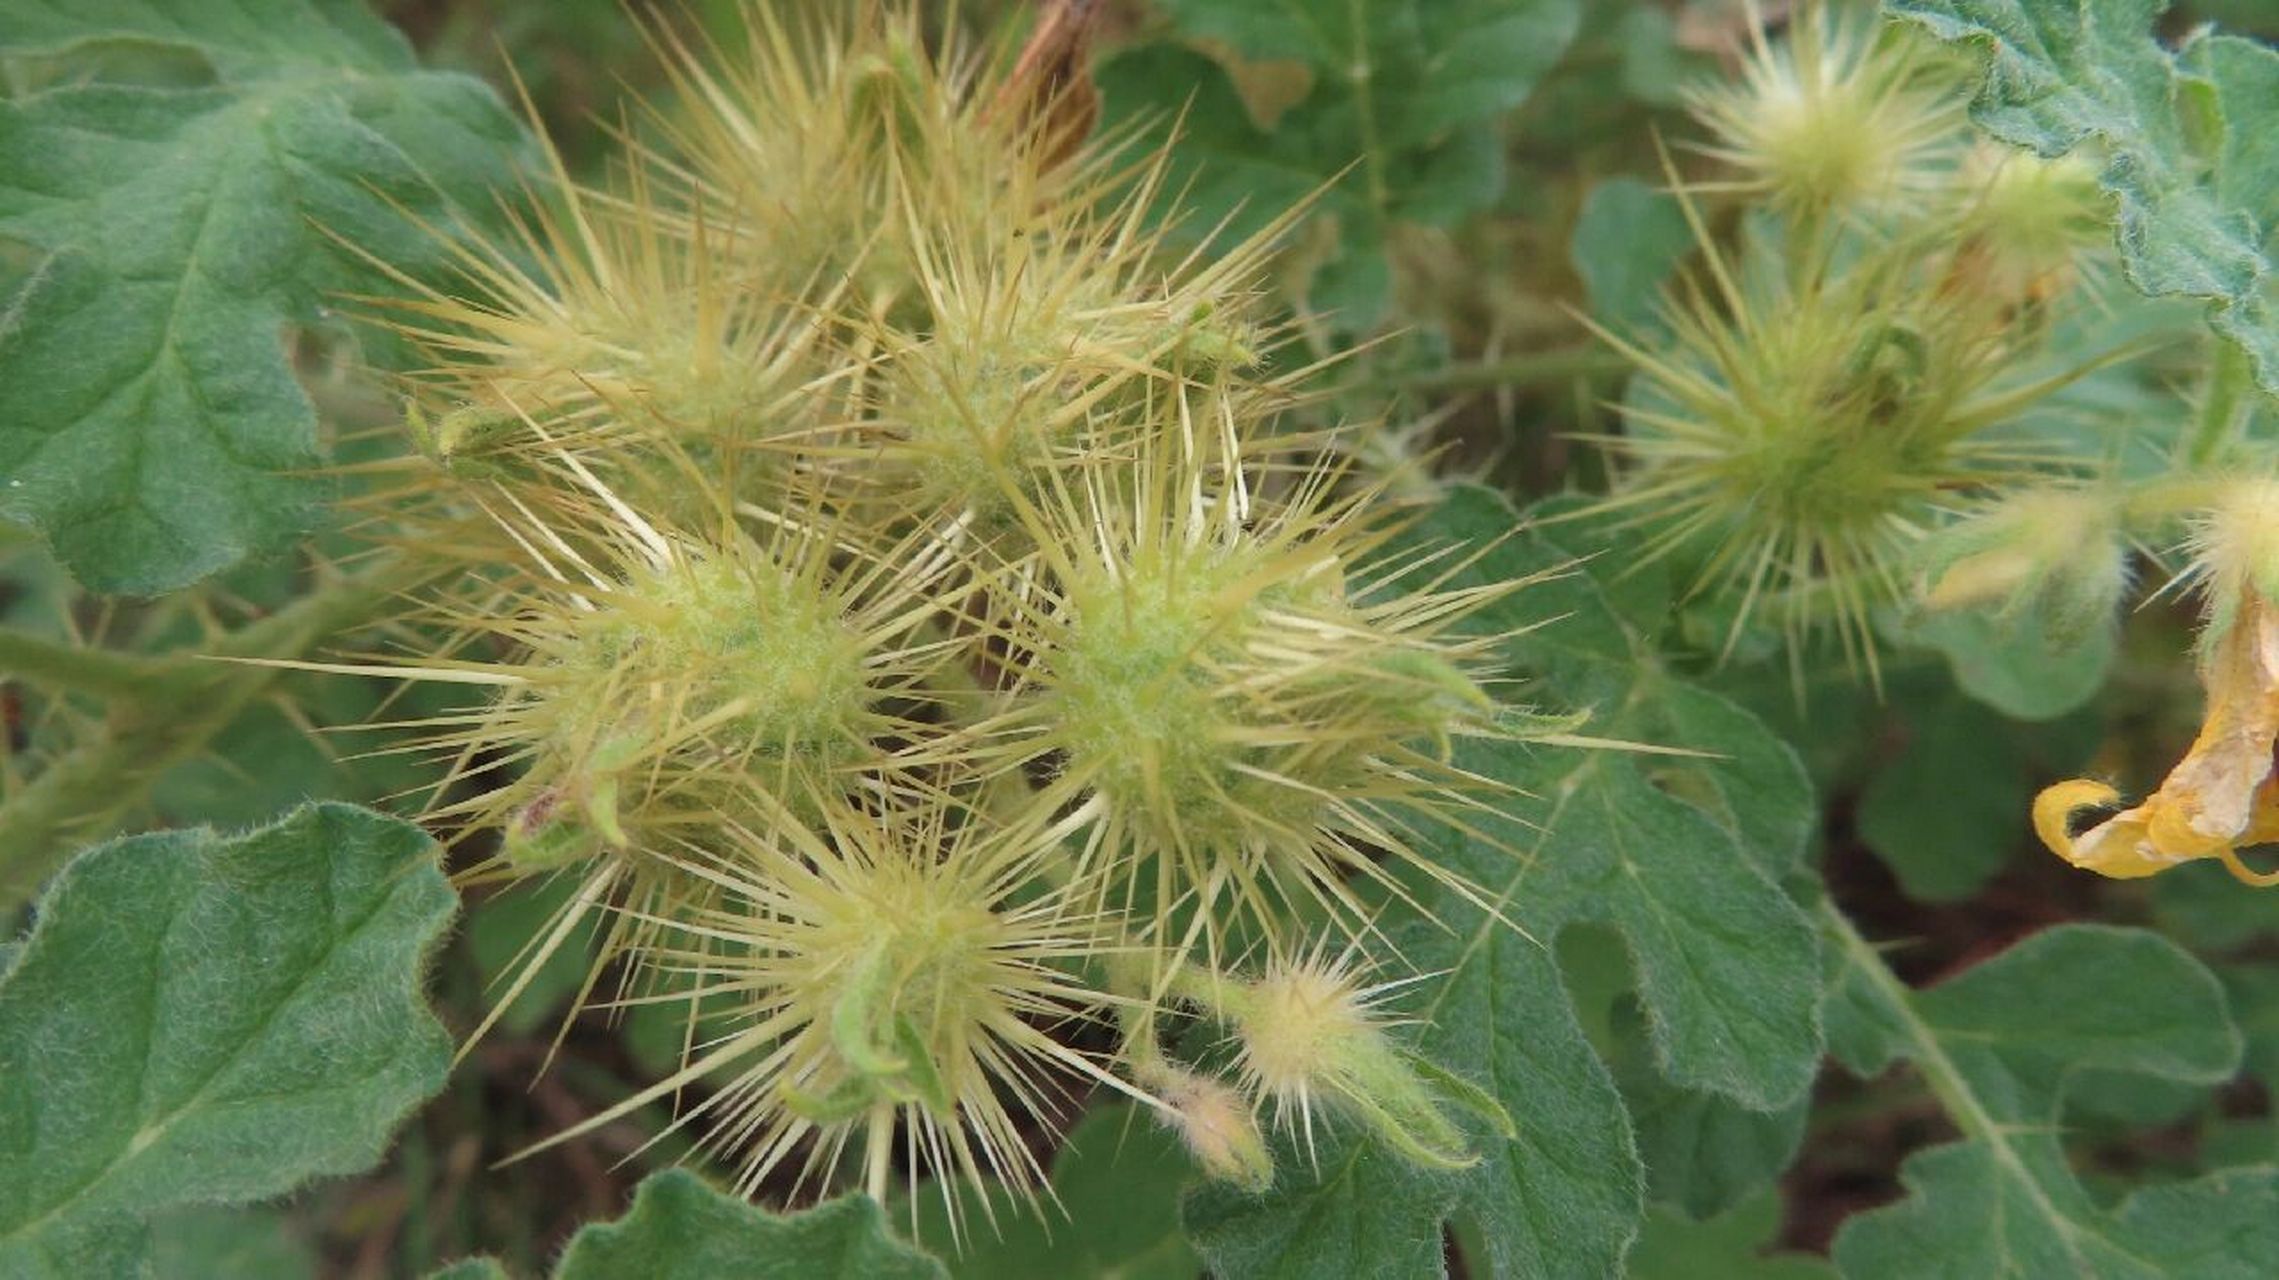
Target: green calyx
x: 901, y: 1005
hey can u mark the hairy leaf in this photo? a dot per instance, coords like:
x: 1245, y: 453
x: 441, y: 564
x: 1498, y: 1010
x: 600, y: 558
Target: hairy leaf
x: 201, y: 1241
x: 1341, y: 1207
x: 1116, y: 1180
x: 1731, y: 1246
x: 681, y: 1229
x: 156, y: 432
x: 1561, y: 1197
x: 1998, y: 1044
x: 1683, y: 854
x: 2184, y: 138
x: 1396, y: 116
x: 205, y: 1019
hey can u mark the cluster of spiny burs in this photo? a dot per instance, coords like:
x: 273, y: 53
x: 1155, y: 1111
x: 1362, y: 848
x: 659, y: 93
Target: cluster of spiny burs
x: 1854, y: 390
x: 888, y: 599
x: 1862, y: 408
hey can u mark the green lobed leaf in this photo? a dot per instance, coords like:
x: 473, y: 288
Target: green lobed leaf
x: 679, y: 1228
x: 156, y: 432
x: 1343, y: 1207
x: 1116, y: 1181
x: 1682, y: 854
x: 1731, y: 1246
x: 1561, y: 1197
x: 2185, y: 139
x: 206, y: 1019
x: 1704, y: 1152
x: 1399, y: 118
x: 1627, y: 239
x: 338, y: 33
x: 1999, y: 1044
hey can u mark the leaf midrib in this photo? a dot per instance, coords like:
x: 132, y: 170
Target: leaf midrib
x: 135, y: 1145
x: 1960, y: 1100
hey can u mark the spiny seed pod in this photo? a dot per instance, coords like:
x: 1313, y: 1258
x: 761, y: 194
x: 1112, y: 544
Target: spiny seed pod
x: 1310, y: 1037
x: 805, y: 145
x: 1835, y: 117
x: 656, y: 693
x: 1050, y: 352
x: 895, y: 602
x: 1799, y: 432
x: 656, y: 686
x: 1235, y: 704
x: 888, y: 973
x: 2028, y: 224
x: 609, y: 326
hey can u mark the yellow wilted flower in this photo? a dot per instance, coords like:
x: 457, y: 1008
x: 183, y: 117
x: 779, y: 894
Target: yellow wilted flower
x: 2222, y: 796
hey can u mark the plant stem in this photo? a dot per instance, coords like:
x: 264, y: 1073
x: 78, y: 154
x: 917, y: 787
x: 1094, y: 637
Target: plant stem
x: 69, y: 668
x: 85, y: 791
x: 2225, y: 404
x: 1585, y: 360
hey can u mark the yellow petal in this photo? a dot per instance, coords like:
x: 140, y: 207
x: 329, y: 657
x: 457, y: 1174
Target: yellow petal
x: 2262, y: 828
x: 2208, y: 801
x: 2055, y: 806
x: 2121, y: 846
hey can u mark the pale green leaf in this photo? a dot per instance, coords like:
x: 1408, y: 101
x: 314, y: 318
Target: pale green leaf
x: 337, y: 33
x: 200, y: 1019
x: 681, y: 1229
x: 470, y: 1269
x: 156, y: 432
x: 2184, y: 139
x: 1999, y: 1044
x: 2011, y: 664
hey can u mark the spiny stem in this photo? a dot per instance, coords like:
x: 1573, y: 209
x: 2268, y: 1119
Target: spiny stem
x: 70, y: 668
x: 82, y: 793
